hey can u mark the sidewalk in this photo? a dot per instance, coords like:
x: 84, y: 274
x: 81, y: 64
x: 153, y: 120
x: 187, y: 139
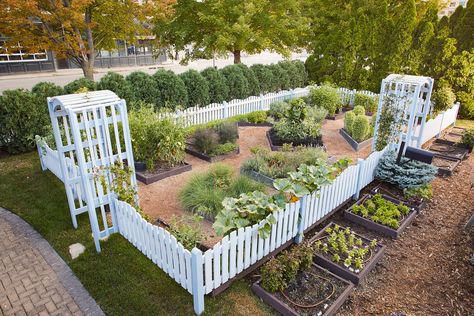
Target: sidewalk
x: 34, y: 279
x: 64, y: 76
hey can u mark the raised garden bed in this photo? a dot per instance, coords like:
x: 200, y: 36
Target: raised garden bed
x: 258, y: 177
x: 457, y: 130
x: 397, y: 193
x: 245, y: 124
x: 446, y: 165
x: 454, y: 138
x: 377, y: 227
x: 354, y: 144
x: 190, y: 150
x: 448, y: 149
x: 325, y: 260
x: 158, y: 174
x: 314, y: 292
x: 276, y: 144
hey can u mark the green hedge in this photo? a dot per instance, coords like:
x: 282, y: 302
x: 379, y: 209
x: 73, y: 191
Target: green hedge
x: 467, y: 105
x: 79, y: 84
x: 47, y: 89
x: 218, y: 88
x: 116, y: 82
x: 367, y: 102
x: 236, y: 81
x: 143, y: 87
x: 253, y: 84
x: 264, y: 76
x: 22, y: 116
x: 292, y: 73
x: 281, y: 79
x: 197, y: 88
x: 172, y: 90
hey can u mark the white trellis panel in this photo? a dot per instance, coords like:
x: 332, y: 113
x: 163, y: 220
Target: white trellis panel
x: 91, y: 132
x: 412, y: 95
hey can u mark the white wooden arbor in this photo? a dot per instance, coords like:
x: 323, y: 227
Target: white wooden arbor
x: 91, y: 133
x: 412, y: 95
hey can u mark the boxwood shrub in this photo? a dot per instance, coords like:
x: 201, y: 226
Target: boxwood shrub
x: 172, y: 91
x: 116, y: 82
x: 253, y: 84
x: 443, y: 97
x: 360, y: 128
x: 264, y: 76
x: 236, y: 81
x: 143, y: 87
x: 303, y: 75
x: 22, y: 116
x: 218, y: 89
x: 46, y: 89
x: 348, y: 120
x: 197, y: 88
x: 79, y: 84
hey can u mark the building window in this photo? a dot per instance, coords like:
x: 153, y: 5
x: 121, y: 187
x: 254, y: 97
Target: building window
x: 19, y: 54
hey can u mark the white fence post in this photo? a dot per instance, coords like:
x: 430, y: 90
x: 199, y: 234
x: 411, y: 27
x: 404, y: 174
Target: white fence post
x: 226, y: 109
x: 360, y: 172
x: 302, y: 210
x: 261, y: 102
x: 197, y: 280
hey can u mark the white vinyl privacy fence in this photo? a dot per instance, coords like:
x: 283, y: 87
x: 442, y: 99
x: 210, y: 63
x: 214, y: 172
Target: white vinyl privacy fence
x: 443, y: 120
x: 217, y: 111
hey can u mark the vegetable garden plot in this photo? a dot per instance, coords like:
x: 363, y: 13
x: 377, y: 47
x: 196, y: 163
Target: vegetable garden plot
x: 382, y: 214
x: 446, y: 165
x: 397, y: 193
x: 345, y: 253
x: 444, y: 149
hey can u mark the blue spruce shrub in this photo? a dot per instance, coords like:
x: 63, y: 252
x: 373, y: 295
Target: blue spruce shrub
x: 408, y: 174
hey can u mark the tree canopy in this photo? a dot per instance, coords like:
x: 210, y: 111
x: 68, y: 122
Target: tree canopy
x: 217, y: 27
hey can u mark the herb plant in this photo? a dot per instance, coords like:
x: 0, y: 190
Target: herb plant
x: 344, y: 247
x: 468, y: 138
x: 187, y: 232
x: 382, y: 211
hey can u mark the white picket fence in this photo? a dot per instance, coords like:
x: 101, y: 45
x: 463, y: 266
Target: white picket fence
x: 217, y: 111
x: 435, y: 126
x: 201, y: 273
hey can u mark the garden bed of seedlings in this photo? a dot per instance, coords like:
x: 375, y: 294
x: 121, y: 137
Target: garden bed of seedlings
x: 380, y: 187
x: 345, y: 253
x: 276, y: 143
x: 391, y: 221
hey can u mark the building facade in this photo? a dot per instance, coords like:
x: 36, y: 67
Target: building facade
x: 449, y: 6
x: 125, y: 55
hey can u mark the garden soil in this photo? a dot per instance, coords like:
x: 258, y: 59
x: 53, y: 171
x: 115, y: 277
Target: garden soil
x: 428, y: 270
x: 160, y: 199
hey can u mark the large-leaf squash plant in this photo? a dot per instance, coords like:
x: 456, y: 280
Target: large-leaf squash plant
x: 259, y: 208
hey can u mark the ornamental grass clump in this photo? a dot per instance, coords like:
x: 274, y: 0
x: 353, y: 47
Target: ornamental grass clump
x: 379, y: 210
x: 204, y: 193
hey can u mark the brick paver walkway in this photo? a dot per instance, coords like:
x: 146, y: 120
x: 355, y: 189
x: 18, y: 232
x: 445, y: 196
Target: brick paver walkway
x: 34, y: 280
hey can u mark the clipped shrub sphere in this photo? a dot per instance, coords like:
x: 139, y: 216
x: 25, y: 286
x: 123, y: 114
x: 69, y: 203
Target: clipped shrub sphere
x: 80, y: 84
x: 116, y: 83
x: 218, y: 89
x: 171, y: 88
x: 143, y: 87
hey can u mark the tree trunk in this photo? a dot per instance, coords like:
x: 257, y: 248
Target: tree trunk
x: 236, y: 56
x: 88, y: 69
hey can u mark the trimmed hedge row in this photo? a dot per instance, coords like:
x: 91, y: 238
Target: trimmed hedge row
x: 24, y: 114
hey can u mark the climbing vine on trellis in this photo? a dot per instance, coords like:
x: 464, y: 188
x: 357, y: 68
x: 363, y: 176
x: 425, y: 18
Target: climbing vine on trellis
x: 391, y: 120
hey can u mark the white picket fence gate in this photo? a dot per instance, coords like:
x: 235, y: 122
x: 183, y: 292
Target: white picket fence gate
x: 217, y: 111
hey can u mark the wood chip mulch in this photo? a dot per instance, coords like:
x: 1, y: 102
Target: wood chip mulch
x: 428, y: 270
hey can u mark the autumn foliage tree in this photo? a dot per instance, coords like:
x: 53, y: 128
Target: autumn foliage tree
x: 74, y: 29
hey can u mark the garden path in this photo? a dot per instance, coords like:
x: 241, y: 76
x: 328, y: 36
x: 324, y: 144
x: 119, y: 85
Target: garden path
x: 34, y: 279
x: 428, y: 270
x: 160, y: 199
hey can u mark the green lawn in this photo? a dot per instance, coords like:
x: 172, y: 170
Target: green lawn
x: 465, y: 123
x: 121, y: 279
